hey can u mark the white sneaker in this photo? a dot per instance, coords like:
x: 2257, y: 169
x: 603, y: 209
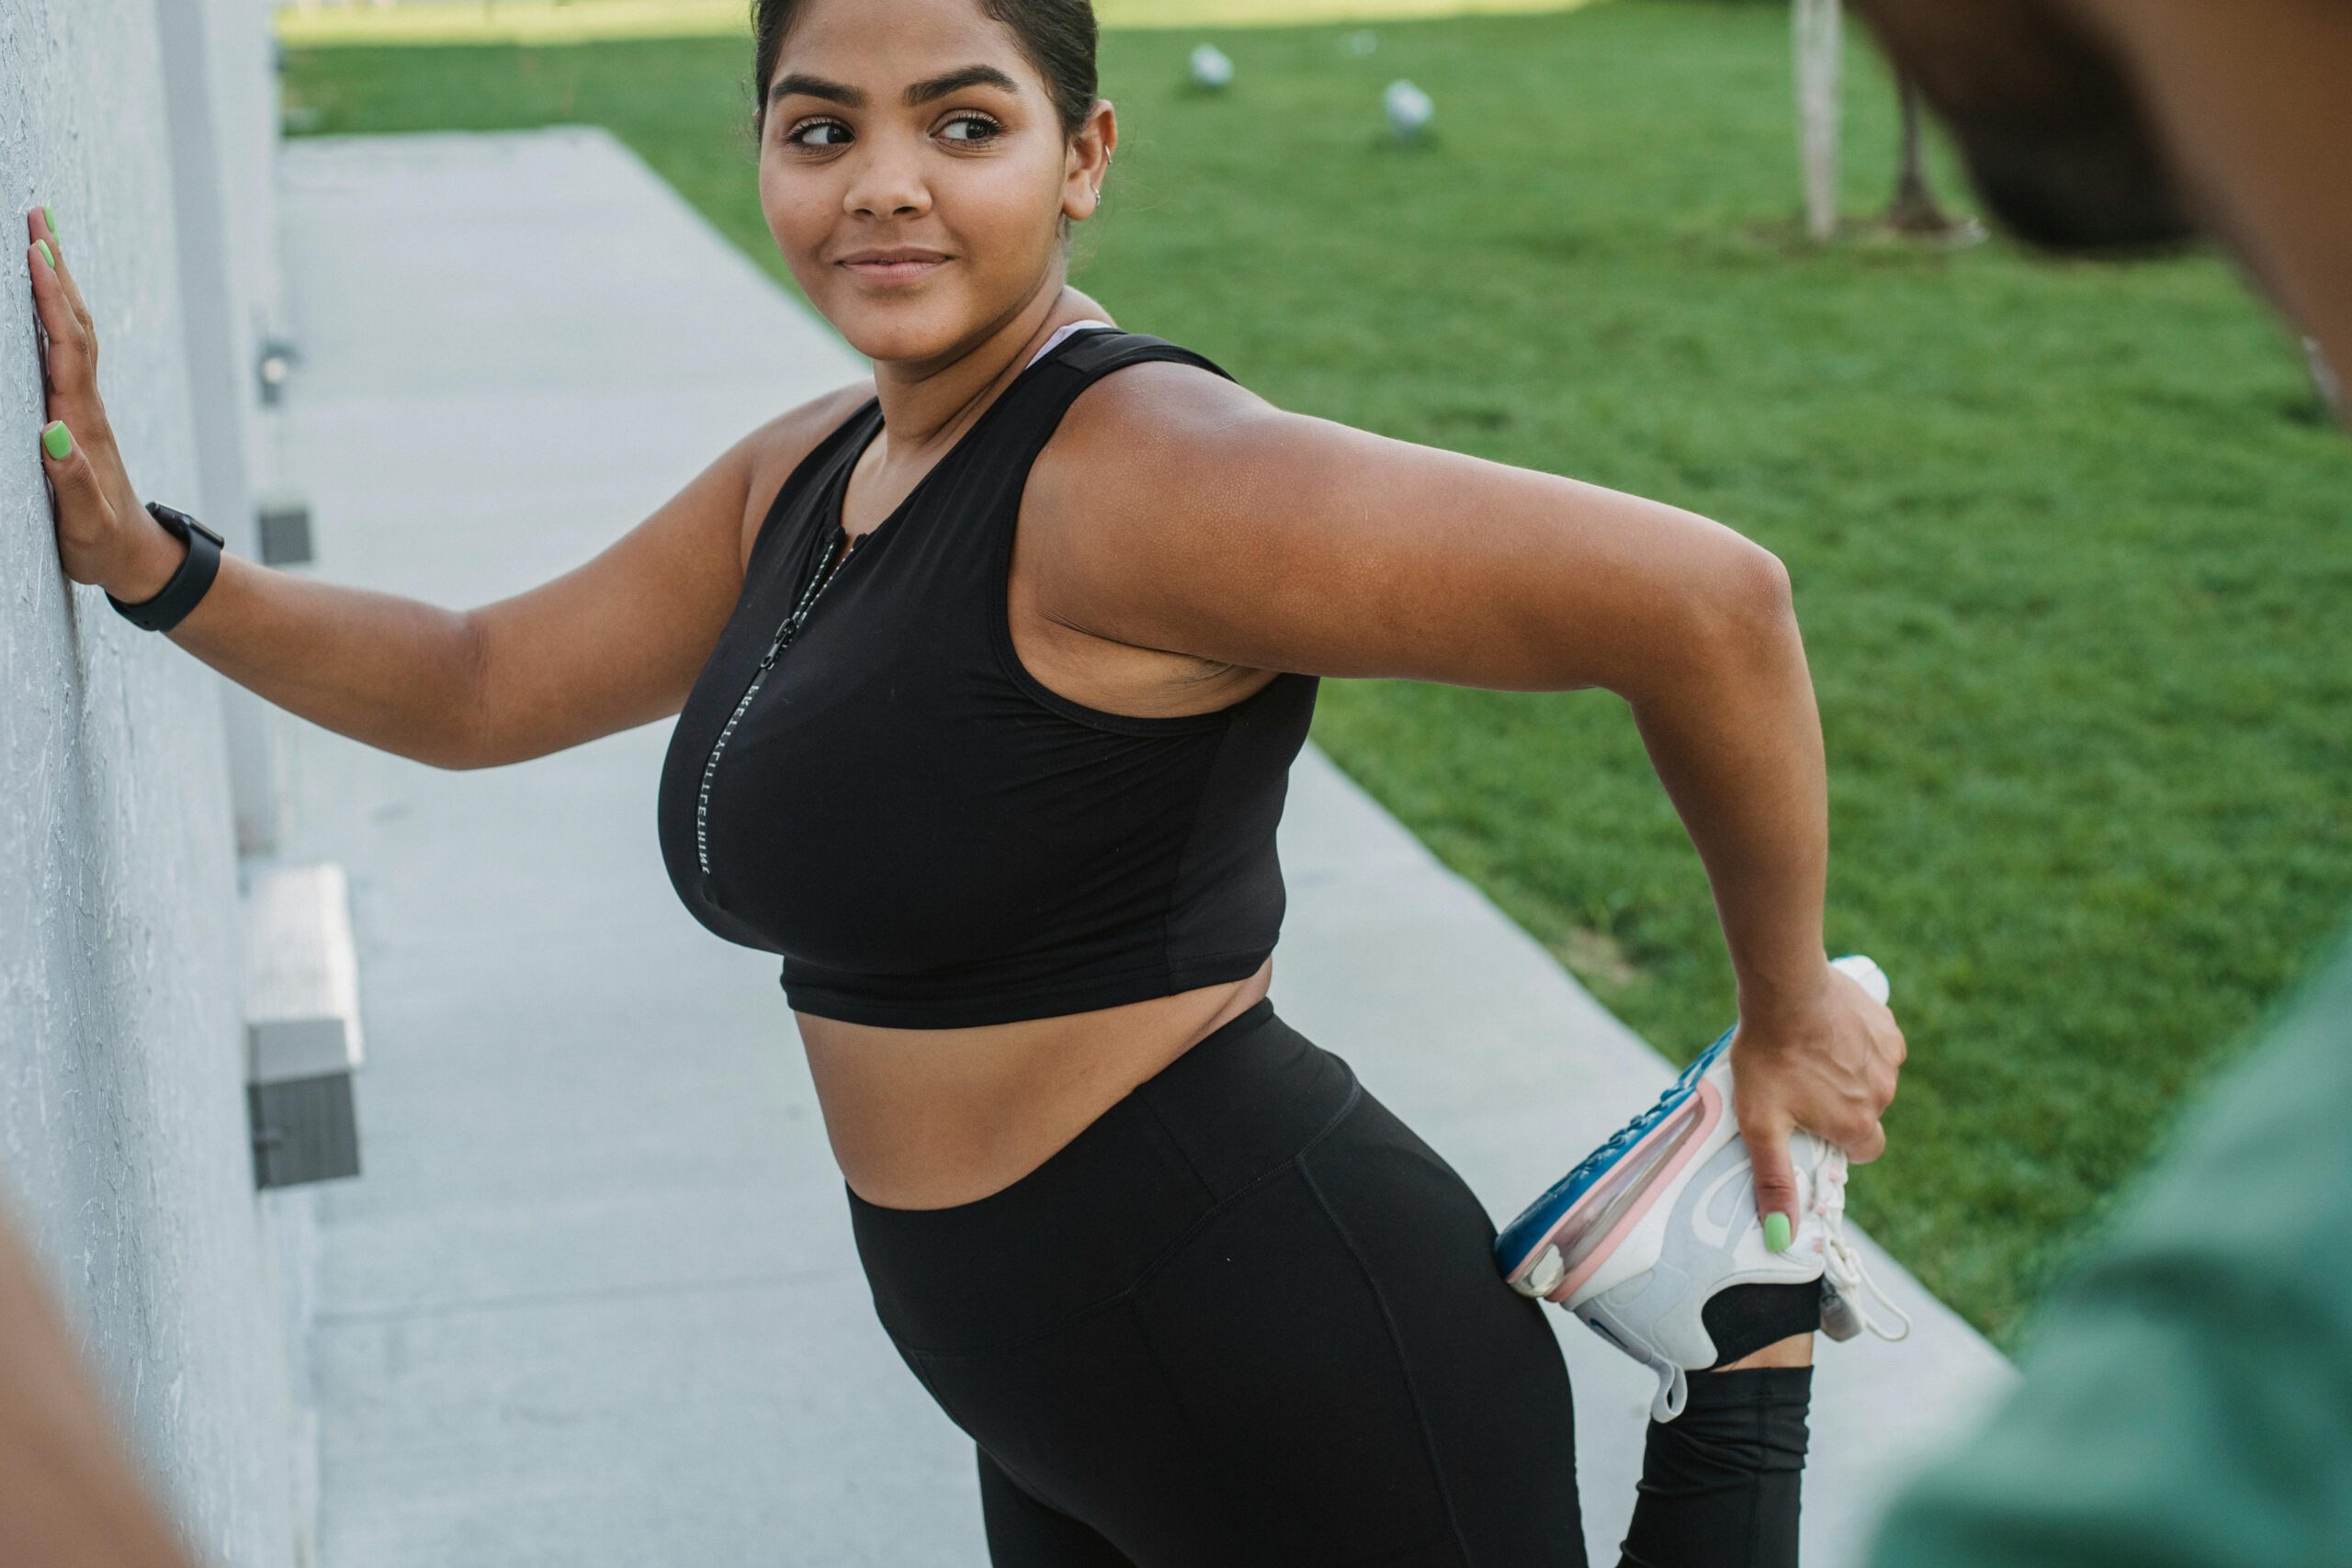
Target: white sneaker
x: 1654, y: 1223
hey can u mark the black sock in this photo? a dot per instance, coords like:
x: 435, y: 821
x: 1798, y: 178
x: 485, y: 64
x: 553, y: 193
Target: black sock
x: 1745, y: 1318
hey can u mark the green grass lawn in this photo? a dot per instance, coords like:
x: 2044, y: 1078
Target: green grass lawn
x: 2069, y: 540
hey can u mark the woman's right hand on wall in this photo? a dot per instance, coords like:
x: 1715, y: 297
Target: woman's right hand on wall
x: 104, y: 535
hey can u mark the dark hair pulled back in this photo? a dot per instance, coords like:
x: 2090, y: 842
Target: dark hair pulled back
x: 1056, y: 36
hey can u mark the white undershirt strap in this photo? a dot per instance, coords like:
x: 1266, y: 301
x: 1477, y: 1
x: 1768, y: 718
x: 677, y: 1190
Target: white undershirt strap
x: 1062, y: 332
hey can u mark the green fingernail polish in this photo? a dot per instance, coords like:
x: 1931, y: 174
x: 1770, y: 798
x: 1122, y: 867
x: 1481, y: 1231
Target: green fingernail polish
x: 46, y: 253
x: 58, y: 441
x: 1776, y: 1232
x: 48, y: 217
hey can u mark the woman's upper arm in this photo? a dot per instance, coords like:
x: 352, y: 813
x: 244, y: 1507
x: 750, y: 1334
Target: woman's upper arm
x: 1188, y: 514
x: 618, y: 641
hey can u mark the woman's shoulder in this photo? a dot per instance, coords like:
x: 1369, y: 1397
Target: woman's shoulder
x: 1169, y: 407
x: 1117, y: 496
x: 1133, y: 437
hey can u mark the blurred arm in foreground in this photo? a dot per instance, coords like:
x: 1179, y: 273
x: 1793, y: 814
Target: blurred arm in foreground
x: 2187, y: 1398
x: 69, y: 1497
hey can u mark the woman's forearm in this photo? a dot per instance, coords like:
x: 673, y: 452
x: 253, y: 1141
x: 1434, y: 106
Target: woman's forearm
x: 1735, y: 738
x: 396, y: 673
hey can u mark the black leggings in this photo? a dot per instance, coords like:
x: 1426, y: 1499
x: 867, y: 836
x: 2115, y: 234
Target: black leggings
x: 1248, y: 1316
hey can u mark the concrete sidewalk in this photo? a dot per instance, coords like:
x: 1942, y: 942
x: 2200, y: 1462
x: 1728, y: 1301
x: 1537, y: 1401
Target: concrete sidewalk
x: 595, y: 1300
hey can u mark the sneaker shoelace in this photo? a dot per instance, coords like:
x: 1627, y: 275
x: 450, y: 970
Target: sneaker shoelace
x: 1840, y: 1261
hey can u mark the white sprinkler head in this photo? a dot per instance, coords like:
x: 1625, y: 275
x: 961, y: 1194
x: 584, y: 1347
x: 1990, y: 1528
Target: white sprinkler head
x: 1409, y: 109
x: 1211, y: 68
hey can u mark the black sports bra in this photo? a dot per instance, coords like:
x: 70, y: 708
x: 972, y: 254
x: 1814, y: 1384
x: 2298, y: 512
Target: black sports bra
x: 930, y: 835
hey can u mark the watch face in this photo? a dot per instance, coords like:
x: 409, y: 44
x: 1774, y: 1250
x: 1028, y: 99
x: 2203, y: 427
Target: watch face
x: 181, y: 523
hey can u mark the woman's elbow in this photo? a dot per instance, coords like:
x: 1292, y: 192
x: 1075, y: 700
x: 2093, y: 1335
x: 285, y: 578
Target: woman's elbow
x: 1747, y: 607
x: 1767, y: 598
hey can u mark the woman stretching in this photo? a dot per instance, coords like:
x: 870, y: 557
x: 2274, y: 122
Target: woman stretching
x: 987, y: 675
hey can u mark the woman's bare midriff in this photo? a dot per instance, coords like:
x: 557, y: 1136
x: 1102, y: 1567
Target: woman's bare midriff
x: 930, y: 1118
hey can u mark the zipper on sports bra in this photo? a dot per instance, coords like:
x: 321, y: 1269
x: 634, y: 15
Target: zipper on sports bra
x: 827, y: 570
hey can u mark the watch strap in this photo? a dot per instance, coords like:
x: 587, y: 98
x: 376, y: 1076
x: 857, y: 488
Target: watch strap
x: 187, y: 585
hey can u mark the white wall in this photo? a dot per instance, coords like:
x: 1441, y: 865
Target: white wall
x: 124, y: 1146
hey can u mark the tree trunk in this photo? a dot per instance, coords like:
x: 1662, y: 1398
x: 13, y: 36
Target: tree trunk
x: 1815, y: 44
x: 1914, y: 208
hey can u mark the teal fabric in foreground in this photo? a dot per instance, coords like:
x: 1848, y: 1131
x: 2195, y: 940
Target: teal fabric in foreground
x: 2187, y: 1398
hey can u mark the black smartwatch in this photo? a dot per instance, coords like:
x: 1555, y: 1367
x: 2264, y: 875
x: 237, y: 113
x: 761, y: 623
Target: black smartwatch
x: 165, y: 610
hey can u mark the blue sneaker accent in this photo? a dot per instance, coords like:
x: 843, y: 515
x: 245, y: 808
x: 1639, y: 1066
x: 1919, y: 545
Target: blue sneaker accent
x: 1518, y: 1238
